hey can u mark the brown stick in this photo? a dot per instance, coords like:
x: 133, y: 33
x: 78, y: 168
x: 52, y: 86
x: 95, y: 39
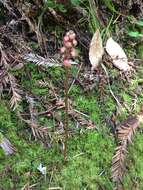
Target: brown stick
x: 66, y: 112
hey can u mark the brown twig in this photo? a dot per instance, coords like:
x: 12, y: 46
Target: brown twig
x: 66, y: 111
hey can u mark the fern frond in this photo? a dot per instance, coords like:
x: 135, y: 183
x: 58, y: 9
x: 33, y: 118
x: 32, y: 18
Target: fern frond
x: 45, y: 62
x: 80, y: 118
x: 125, y: 133
x: 41, y: 61
x: 43, y: 84
x: 38, y: 132
x: 127, y: 129
x: 4, y: 59
x: 6, y: 4
x: 14, y: 88
x: 3, y: 80
x: 118, y: 167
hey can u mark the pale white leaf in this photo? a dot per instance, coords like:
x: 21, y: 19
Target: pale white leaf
x: 117, y: 54
x: 96, y: 50
x: 42, y: 169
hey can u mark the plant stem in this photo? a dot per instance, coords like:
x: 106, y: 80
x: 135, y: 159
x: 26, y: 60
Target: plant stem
x: 66, y: 112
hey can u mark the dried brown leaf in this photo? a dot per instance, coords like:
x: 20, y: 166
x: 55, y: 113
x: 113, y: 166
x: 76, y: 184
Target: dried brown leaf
x: 118, y: 55
x: 96, y: 50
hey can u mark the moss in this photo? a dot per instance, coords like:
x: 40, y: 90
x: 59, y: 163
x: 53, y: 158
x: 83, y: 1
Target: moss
x: 89, y: 154
x: 134, y: 176
x: 140, y: 51
x: 86, y: 167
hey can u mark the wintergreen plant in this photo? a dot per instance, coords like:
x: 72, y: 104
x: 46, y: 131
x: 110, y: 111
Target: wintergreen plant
x: 68, y: 52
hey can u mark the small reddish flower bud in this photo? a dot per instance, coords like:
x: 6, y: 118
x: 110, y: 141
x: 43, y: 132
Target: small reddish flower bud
x: 72, y: 36
x: 68, y: 44
x: 66, y: 39
x: 69, y: 32
x: 74, y: 42
x: 67, y: 63
x: 63, y: 49
x: 73, y: 53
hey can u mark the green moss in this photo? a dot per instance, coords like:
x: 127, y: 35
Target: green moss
x: 89, y: 154
x: 134, y: 176
x: 140, y: 51
x: 86, y: 168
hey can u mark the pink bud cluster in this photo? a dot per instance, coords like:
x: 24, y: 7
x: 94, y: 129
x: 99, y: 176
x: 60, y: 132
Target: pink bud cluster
x: 68, y: 50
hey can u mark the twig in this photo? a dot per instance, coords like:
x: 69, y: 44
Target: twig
x: 66, y: 111
x: 112, y: 93
x: 81, y: 113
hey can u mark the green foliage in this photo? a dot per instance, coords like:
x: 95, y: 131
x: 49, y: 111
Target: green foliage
x: 85, y: 168
x: 110, y: 5
x: 140, y: 50
x: 76, y: 2
x: 139, y: 23
x: 55, y: 5
x: 135, y: 34
x: 30, y: 154
x: 134, y: 178
x: 90, y: 106
x: 94, y: 22
x: 136, y: 31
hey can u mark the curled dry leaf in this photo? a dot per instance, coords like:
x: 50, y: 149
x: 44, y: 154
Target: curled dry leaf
x: 118, y: 55
x: 96, y: 50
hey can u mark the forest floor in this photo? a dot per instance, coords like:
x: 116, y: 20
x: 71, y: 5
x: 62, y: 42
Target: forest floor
x: 32, y: 104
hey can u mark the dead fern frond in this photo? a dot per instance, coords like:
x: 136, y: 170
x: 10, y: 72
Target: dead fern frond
x: 4, y: 59
x: 125, y: 133
x: 14, y: 88
x: 38, y: 132
x: 81, y: 120
x: 118, y: 166
x: 26, y: 9
x: 41, y: 61
x: 3, y: 80
x: 127, y: 129
x: 7, y: 5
